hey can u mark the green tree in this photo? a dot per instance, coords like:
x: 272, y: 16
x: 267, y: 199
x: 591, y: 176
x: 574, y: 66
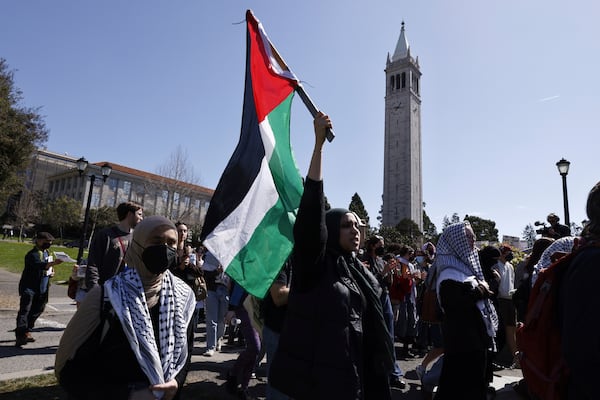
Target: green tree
x: 357, y: 206
x: 103, y: 217
x: 60, y: 213
x: 391, y: 235
x: 529, y: 235
x: 429, y: 229
x: 485, y: 229
x: 449, y: 221
x: 21, y: 130
x: 408, y: 227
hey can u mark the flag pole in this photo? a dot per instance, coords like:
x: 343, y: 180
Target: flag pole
x: 302, y: 93
x: 311, y: 107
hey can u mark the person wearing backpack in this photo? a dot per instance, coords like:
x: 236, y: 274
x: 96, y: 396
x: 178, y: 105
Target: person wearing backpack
x: 579, y: 305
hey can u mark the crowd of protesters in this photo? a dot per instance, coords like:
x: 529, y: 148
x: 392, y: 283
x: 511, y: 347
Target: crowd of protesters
x: 329, y: 323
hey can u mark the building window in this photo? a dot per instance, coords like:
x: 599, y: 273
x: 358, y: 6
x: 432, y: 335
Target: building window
x: 197, y: 204
x: 51, y: 186
x: 392, y: 82
x: 403, y: 80
x: 95, y: 200
x: 113, y: 183
x: 397, y: 82
x: 126, y: 188
x: 186, y: 202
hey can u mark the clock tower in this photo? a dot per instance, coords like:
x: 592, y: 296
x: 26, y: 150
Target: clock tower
x: 402, y: 180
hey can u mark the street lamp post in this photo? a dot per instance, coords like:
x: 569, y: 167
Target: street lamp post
x: 81, y: 167
x: 563, y: 170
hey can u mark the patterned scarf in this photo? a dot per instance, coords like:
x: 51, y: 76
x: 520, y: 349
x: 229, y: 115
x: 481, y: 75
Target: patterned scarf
x: 562, y: 245
x: 176, y: 305
x: 457, y: 260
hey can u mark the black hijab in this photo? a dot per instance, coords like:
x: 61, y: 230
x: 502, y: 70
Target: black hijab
x: 333, y: 219
x: 376, y: 336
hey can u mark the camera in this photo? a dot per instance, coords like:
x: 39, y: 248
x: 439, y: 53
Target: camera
x: 544, y: 230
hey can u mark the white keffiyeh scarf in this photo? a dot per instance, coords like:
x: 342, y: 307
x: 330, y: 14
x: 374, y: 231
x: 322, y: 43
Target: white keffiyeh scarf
x: 176, y: 305
x: 458, y: 261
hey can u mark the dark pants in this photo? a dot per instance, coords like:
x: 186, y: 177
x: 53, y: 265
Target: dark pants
x: 464, y: 376
x: 30, y: 308
x: 388, y: 316
x: 244, y: 365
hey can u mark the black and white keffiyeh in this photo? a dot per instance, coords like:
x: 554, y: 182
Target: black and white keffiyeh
x: 562, y: 245
x: 176, y: 305
x: 457, y: 260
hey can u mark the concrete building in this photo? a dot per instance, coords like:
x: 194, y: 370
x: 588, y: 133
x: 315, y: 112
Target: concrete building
x: 57, y: 175
x: 402, y: 178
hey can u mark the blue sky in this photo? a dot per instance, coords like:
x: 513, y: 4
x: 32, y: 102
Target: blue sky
x: 508, y: 89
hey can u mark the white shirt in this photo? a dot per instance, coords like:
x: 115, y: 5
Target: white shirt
x: 507, y: 279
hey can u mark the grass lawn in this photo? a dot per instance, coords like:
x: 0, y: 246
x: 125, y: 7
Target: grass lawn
x: 40, y: 387
x: 12, y: 256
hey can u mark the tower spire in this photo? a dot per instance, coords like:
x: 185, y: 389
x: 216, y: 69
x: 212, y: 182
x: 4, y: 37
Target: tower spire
x: 402, y: 47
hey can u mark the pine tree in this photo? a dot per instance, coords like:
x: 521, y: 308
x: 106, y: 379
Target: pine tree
x: 357, y: 206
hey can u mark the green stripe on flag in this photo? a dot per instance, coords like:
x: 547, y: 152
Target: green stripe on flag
x: 272, y: 239
x: 282, y: 164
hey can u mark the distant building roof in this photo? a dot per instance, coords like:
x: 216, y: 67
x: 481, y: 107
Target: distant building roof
x: 155, y: 177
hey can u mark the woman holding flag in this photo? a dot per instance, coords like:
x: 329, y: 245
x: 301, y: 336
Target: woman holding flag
x: 334, y: 342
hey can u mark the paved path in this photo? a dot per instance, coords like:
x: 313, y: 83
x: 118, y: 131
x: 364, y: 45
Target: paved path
x: 38, y: 358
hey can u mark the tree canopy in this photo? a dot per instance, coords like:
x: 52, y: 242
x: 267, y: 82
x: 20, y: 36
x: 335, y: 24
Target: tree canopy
x: 357, y: 206
x: 529, y: 234
x: 61, y: 213
x: 485, y: 229
x: 429, y: 229
x: 21, y: 130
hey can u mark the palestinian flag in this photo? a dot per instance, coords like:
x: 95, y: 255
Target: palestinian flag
x: 249, y: 223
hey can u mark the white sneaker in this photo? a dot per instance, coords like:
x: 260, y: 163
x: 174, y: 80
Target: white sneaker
x: 420, y: 370
x: 209, y: 353
x: 219, y: 344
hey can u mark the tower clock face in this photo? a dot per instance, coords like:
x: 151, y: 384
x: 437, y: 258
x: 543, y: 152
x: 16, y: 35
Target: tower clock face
x: 397, y: 107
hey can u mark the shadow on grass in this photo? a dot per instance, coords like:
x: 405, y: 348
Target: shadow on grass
x: 41, y: 387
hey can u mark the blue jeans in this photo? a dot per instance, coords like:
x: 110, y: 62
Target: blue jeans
x: 407, y: 318
x: 271, y: 341
x: 217, y: 303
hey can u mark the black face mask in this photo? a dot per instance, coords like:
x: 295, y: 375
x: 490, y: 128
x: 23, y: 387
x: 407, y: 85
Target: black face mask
x: 159, y: 258
x: 379, y: 251
x: 45, y: 246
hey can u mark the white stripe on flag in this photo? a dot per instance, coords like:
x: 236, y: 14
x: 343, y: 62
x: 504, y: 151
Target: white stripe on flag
x: 268, y: 138
x: 235, y: 231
